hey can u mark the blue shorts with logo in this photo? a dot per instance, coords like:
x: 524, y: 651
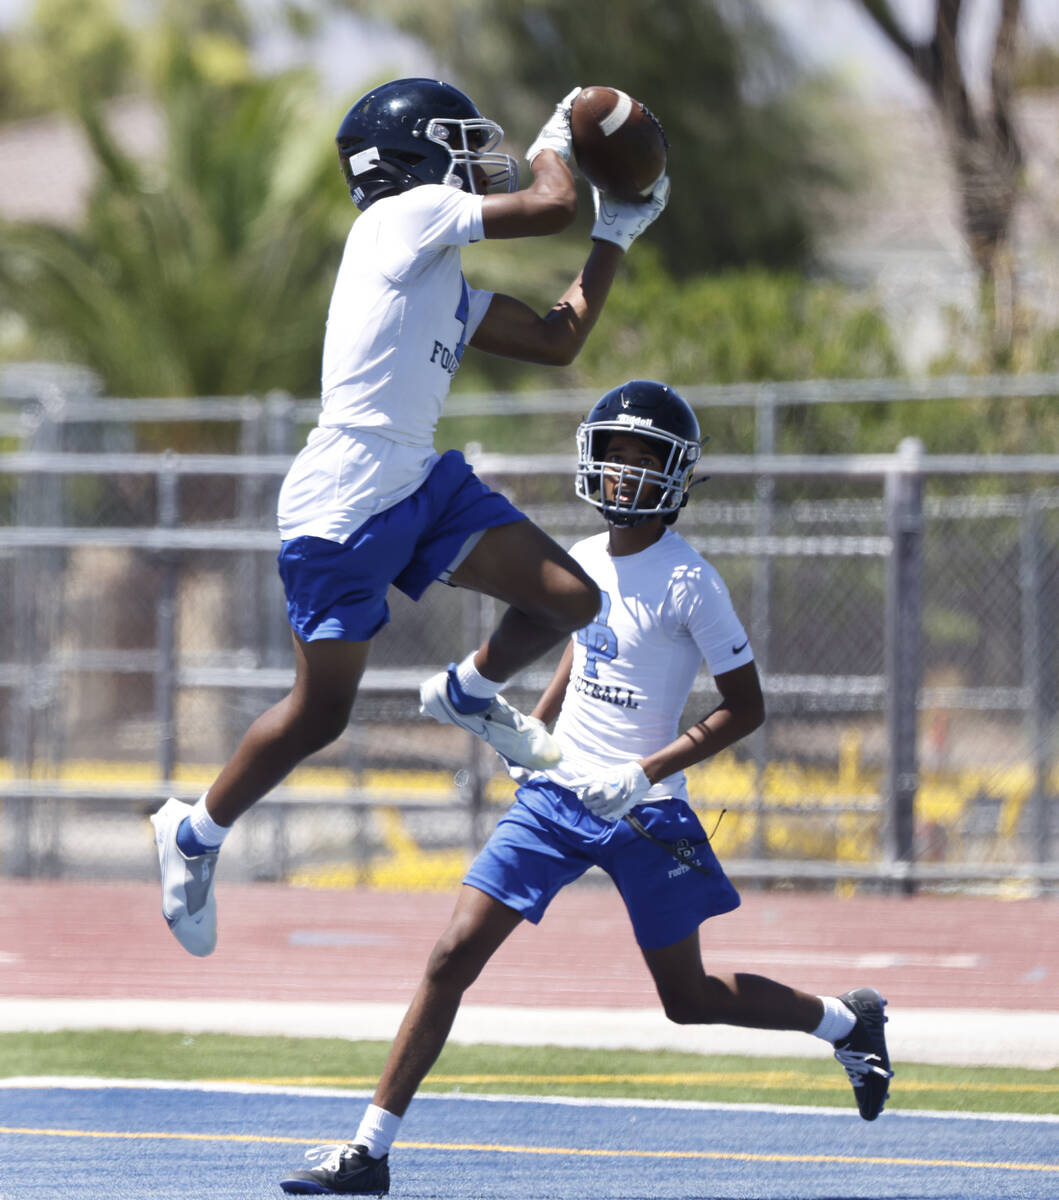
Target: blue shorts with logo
x: 338, y: 589
x: 548, y: 839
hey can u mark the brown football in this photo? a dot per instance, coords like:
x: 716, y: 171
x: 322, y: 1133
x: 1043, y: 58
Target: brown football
x: 618, y: 142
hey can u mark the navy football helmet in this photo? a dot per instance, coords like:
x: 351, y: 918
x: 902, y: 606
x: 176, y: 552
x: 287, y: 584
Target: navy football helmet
x: 652, y: 411
x: 413, y: 131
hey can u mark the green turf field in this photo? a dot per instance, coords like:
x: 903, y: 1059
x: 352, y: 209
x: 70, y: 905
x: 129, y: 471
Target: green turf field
x: 547, y: 1071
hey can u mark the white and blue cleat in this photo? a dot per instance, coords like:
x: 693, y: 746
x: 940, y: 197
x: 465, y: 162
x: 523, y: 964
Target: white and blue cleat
x: 188, y: 903
x: 517, y: 738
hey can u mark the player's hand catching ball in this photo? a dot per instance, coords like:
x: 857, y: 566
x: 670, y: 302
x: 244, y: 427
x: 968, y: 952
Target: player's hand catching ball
x: 617, y: 792
x: 555, y: 132
x: 622, y: 223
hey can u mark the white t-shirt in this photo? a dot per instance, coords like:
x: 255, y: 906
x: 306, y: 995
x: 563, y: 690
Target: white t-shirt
x: 664, y: 612
x: 401, y: 314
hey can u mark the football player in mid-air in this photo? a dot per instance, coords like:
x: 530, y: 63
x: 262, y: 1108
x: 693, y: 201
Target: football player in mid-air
x: 368, y: 502
x: 618, y: 798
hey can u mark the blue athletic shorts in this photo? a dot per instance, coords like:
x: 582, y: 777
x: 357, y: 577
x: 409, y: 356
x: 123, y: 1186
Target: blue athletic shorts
x: 548, y: 839
x: 338, y: 589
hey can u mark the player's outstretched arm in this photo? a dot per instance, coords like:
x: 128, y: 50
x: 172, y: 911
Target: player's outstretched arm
x: 548, y: 205
x: 512, y: 329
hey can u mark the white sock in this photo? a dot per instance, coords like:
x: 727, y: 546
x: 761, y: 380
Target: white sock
x: 204, y: 827
x: 377, y: 1130
x: 837, y: 1021
x: 473, y: 682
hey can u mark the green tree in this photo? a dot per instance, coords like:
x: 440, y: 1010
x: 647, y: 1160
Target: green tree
x: 736, y: 326
x: 63, y: 50
x: 208, y: 271
x: 983, y: 140
x: 746, y: 165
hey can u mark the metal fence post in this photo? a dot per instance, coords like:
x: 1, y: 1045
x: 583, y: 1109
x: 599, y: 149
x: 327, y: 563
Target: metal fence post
x: 38, y: 502
x: 1031, y: 583
x: 280, y: 429
x: 904, y: 582
x: 273, y: 639
x: 761, y: 601
x: 247, y: 566
x: 280, y: 411
x: 18, y: 809
x: 165, y: 624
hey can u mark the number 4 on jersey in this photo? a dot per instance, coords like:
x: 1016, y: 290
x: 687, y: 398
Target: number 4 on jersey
x: 598, y: 639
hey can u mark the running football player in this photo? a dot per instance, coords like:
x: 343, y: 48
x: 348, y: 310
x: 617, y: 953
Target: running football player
x: 618, y: 798
x: 368, y: 502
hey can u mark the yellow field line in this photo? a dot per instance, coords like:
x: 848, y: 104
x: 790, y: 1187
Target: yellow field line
x: 567, y: 1151
x: 110, y: 1134
x: 737, y: 1156
x: 762, y: 1079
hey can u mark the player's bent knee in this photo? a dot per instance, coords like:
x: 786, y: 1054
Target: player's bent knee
x: 324, y: 721
x: 579, y: 608
x: 588, y: 605
x: 687, y: 1010
x: 681, y: 1015
x: 453, y: 964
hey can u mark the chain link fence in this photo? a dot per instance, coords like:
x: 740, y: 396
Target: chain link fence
x: 901, y: 607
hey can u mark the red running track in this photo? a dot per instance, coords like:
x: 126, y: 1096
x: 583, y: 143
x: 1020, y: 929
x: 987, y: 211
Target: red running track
x: 71, y: 940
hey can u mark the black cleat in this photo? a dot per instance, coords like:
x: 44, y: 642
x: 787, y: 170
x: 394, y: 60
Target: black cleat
x: 863, y: 1051
x: 343, y: 1171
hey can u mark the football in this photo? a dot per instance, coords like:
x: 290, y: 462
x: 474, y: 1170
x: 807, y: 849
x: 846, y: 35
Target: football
x: 618, y: 142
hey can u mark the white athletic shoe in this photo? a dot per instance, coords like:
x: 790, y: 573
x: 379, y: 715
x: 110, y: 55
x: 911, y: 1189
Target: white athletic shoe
x: 520, y: 739
x: 188, y: 903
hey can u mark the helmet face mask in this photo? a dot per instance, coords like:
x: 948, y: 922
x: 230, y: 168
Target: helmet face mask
x: 629, y: 493
x: 470, y: 144
x: 414, y: 131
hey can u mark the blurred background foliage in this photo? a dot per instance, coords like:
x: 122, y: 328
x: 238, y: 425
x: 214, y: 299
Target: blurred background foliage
x: 738, y: 115
x: 206, y: 269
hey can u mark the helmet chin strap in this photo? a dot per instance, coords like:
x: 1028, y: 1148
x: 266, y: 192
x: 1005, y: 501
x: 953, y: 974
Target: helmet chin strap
x: 625, y: 520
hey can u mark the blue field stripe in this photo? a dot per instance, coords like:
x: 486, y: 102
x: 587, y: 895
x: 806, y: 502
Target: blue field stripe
x: 218, y: 1142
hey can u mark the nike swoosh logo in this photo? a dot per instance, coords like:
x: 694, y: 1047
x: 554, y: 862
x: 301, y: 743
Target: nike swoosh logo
x: 741, y: 646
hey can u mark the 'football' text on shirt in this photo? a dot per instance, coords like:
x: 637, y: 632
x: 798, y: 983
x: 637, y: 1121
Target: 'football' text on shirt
x: 624, y: 697
x: 449, y: 359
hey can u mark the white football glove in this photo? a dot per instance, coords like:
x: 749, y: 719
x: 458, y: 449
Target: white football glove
x: 555, y: 132
x: 619, y: 791
x: 622, y: 223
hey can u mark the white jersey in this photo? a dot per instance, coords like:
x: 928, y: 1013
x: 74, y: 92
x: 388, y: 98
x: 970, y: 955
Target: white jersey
x: 401, y: 314
x: 664, y: 612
